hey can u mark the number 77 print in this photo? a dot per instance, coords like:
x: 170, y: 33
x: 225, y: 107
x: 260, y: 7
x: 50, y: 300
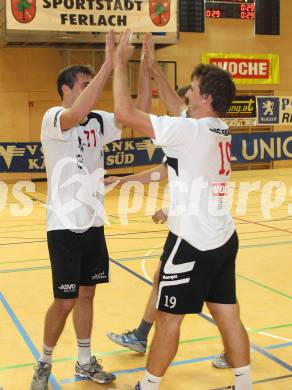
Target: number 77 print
x: 23, y: 10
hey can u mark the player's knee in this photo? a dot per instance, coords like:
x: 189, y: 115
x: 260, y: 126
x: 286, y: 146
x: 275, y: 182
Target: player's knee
x: 166, y: 321
x: 64, y: 306
x: 223, y: 311
x: 86, y: 292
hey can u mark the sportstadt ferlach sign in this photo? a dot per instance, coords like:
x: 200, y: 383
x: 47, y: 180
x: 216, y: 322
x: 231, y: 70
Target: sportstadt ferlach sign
x: 92, y: 15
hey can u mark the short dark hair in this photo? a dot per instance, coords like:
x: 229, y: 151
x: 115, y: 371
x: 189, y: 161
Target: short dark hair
x: 68, y: 76
x: 183, y: 90
x: 218, y: 83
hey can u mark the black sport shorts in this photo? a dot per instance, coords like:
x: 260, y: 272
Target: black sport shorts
x: 77, y: 259
x: 189, y: 277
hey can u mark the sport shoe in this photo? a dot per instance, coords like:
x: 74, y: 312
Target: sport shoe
x: 137, y: 387
x: 41, y: 376
x: 128, y: 340
x: 221, y: 361
x: 94, y: 371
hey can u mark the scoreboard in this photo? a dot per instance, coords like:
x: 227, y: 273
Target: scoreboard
x: 234, y: 9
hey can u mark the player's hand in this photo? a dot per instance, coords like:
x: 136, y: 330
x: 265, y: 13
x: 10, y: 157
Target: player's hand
x: 109, y: 49
x: 150, y: 50
x: 124, y: 50
x: 112, y: 179
x: 144, y: 54
x: 160, y: 216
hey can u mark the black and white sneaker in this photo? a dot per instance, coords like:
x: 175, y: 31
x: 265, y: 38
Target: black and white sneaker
x: 94, y: 371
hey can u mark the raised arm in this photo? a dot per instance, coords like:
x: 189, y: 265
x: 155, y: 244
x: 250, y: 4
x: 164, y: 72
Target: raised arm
x: 154, y: 174
x: 167, y: 94
x: 125, y: 111
x: 144, y: 98
x: 87, y: 100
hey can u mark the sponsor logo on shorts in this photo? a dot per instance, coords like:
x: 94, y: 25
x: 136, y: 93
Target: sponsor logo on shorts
x: 170, y: 277
x: 99, y: 276
x: 68, y: 288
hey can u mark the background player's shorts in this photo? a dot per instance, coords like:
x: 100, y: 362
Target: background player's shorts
x: 189, y: 277
x: 77, y: 259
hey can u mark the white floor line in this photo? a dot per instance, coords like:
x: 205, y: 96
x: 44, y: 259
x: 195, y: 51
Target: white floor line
x: 143, y: 262
x: 273, y: 336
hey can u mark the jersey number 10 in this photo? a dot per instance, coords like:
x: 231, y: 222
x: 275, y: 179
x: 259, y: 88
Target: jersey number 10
x: 225, y: 158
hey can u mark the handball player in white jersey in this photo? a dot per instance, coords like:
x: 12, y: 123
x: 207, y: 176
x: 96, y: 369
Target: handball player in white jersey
x: 198, y: 260
x: 73, y: 136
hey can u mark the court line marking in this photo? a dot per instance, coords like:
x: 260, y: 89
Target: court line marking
x: 6, y: 271
x: 22, y: 261
x: 264, y: 286
x: 23, y: 333
x: 22, y: 242
x: 269, y: 335
x: 261, y: 224
x: 270, y: 356
x: 148, y: 253
x: 274, y: 336
x: 259, y: 381
x: 11, y: 270
x: 174, y: 364
x: 123, y: 351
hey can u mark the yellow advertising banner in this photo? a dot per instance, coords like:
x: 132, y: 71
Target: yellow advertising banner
x: 247, y: 69
x: 92, y: 15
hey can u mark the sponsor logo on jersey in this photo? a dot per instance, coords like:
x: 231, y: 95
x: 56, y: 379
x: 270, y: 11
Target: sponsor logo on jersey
x: 225, y: 132
x: 220, y: 189
x: 23, y: 10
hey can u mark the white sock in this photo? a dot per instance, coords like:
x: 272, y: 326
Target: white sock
x: 46, y: 355
x: 150, y: 382
x: 84, y: 351
x: 242, y: 378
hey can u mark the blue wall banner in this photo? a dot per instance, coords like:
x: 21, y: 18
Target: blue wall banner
x: 130, y: 152
x: 261, y: 147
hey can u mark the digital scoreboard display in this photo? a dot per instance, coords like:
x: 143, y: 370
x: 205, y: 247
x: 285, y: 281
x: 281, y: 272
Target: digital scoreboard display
x: 232, y: 9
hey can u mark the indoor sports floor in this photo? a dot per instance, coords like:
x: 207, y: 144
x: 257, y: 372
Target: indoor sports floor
x: 264, y: 270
